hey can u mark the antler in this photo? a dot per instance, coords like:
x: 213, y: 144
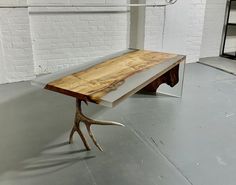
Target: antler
x: 80, y: 117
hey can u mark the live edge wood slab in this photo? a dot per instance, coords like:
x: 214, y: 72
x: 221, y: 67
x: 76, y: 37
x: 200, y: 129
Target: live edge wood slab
x: 97, y: 81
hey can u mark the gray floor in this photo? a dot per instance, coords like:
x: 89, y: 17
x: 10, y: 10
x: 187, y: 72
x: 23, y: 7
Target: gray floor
x: 166, y: 141
x: 224, y: 64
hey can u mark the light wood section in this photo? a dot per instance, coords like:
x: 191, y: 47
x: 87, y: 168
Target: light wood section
x: 95, y: 82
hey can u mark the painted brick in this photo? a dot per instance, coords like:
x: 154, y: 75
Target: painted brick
x: 213, y: 27
x: 180, y: 31
x: 16, y: 59
x: 74, y: 38
x: 61, y: 39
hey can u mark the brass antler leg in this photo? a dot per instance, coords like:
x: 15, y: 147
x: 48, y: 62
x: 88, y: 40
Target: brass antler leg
x: 88, y: 126
x: 82, y: 136
x: 76, y: 128
x: 80, y: 117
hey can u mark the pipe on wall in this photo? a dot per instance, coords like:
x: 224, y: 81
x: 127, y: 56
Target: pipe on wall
x: 167, y: 2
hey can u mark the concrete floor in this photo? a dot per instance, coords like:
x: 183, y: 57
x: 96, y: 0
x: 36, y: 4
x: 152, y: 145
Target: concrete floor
x: 224, y: 64
x: 166, y: 141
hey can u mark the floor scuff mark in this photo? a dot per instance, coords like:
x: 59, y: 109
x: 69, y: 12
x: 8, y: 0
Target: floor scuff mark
x: 227, y: 115
x: 91, y: 174
x: 221, y: 161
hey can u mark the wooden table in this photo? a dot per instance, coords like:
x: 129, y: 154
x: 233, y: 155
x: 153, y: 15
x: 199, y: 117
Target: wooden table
x: 112, y: 79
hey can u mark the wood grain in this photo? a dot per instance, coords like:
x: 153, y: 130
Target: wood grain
x: 95, y: 82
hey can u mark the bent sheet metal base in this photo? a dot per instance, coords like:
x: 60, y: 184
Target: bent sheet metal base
x: 112, y: 79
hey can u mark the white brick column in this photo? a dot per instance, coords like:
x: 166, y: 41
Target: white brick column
x: 213, y: 27
x: 2, y: 61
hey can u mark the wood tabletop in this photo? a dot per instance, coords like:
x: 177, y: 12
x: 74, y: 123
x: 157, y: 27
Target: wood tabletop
x: 95, y: 82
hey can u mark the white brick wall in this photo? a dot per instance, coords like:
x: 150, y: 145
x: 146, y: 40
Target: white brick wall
x: 16, y: 60
x: 62, y: 39
x: 213, y: 26
x: 183, y: 28
x: 13, y: 2
x: 59, y: 39
x: 154, y: 23
x: 196, y: 13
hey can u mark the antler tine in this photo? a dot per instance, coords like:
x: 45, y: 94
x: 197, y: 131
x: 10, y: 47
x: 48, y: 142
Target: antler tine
x: 101, y: 122
x: 82, y: 137
x: 88, y: 126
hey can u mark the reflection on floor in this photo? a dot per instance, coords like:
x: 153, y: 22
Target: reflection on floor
x: 224, y: 64
x: 166, y: 141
